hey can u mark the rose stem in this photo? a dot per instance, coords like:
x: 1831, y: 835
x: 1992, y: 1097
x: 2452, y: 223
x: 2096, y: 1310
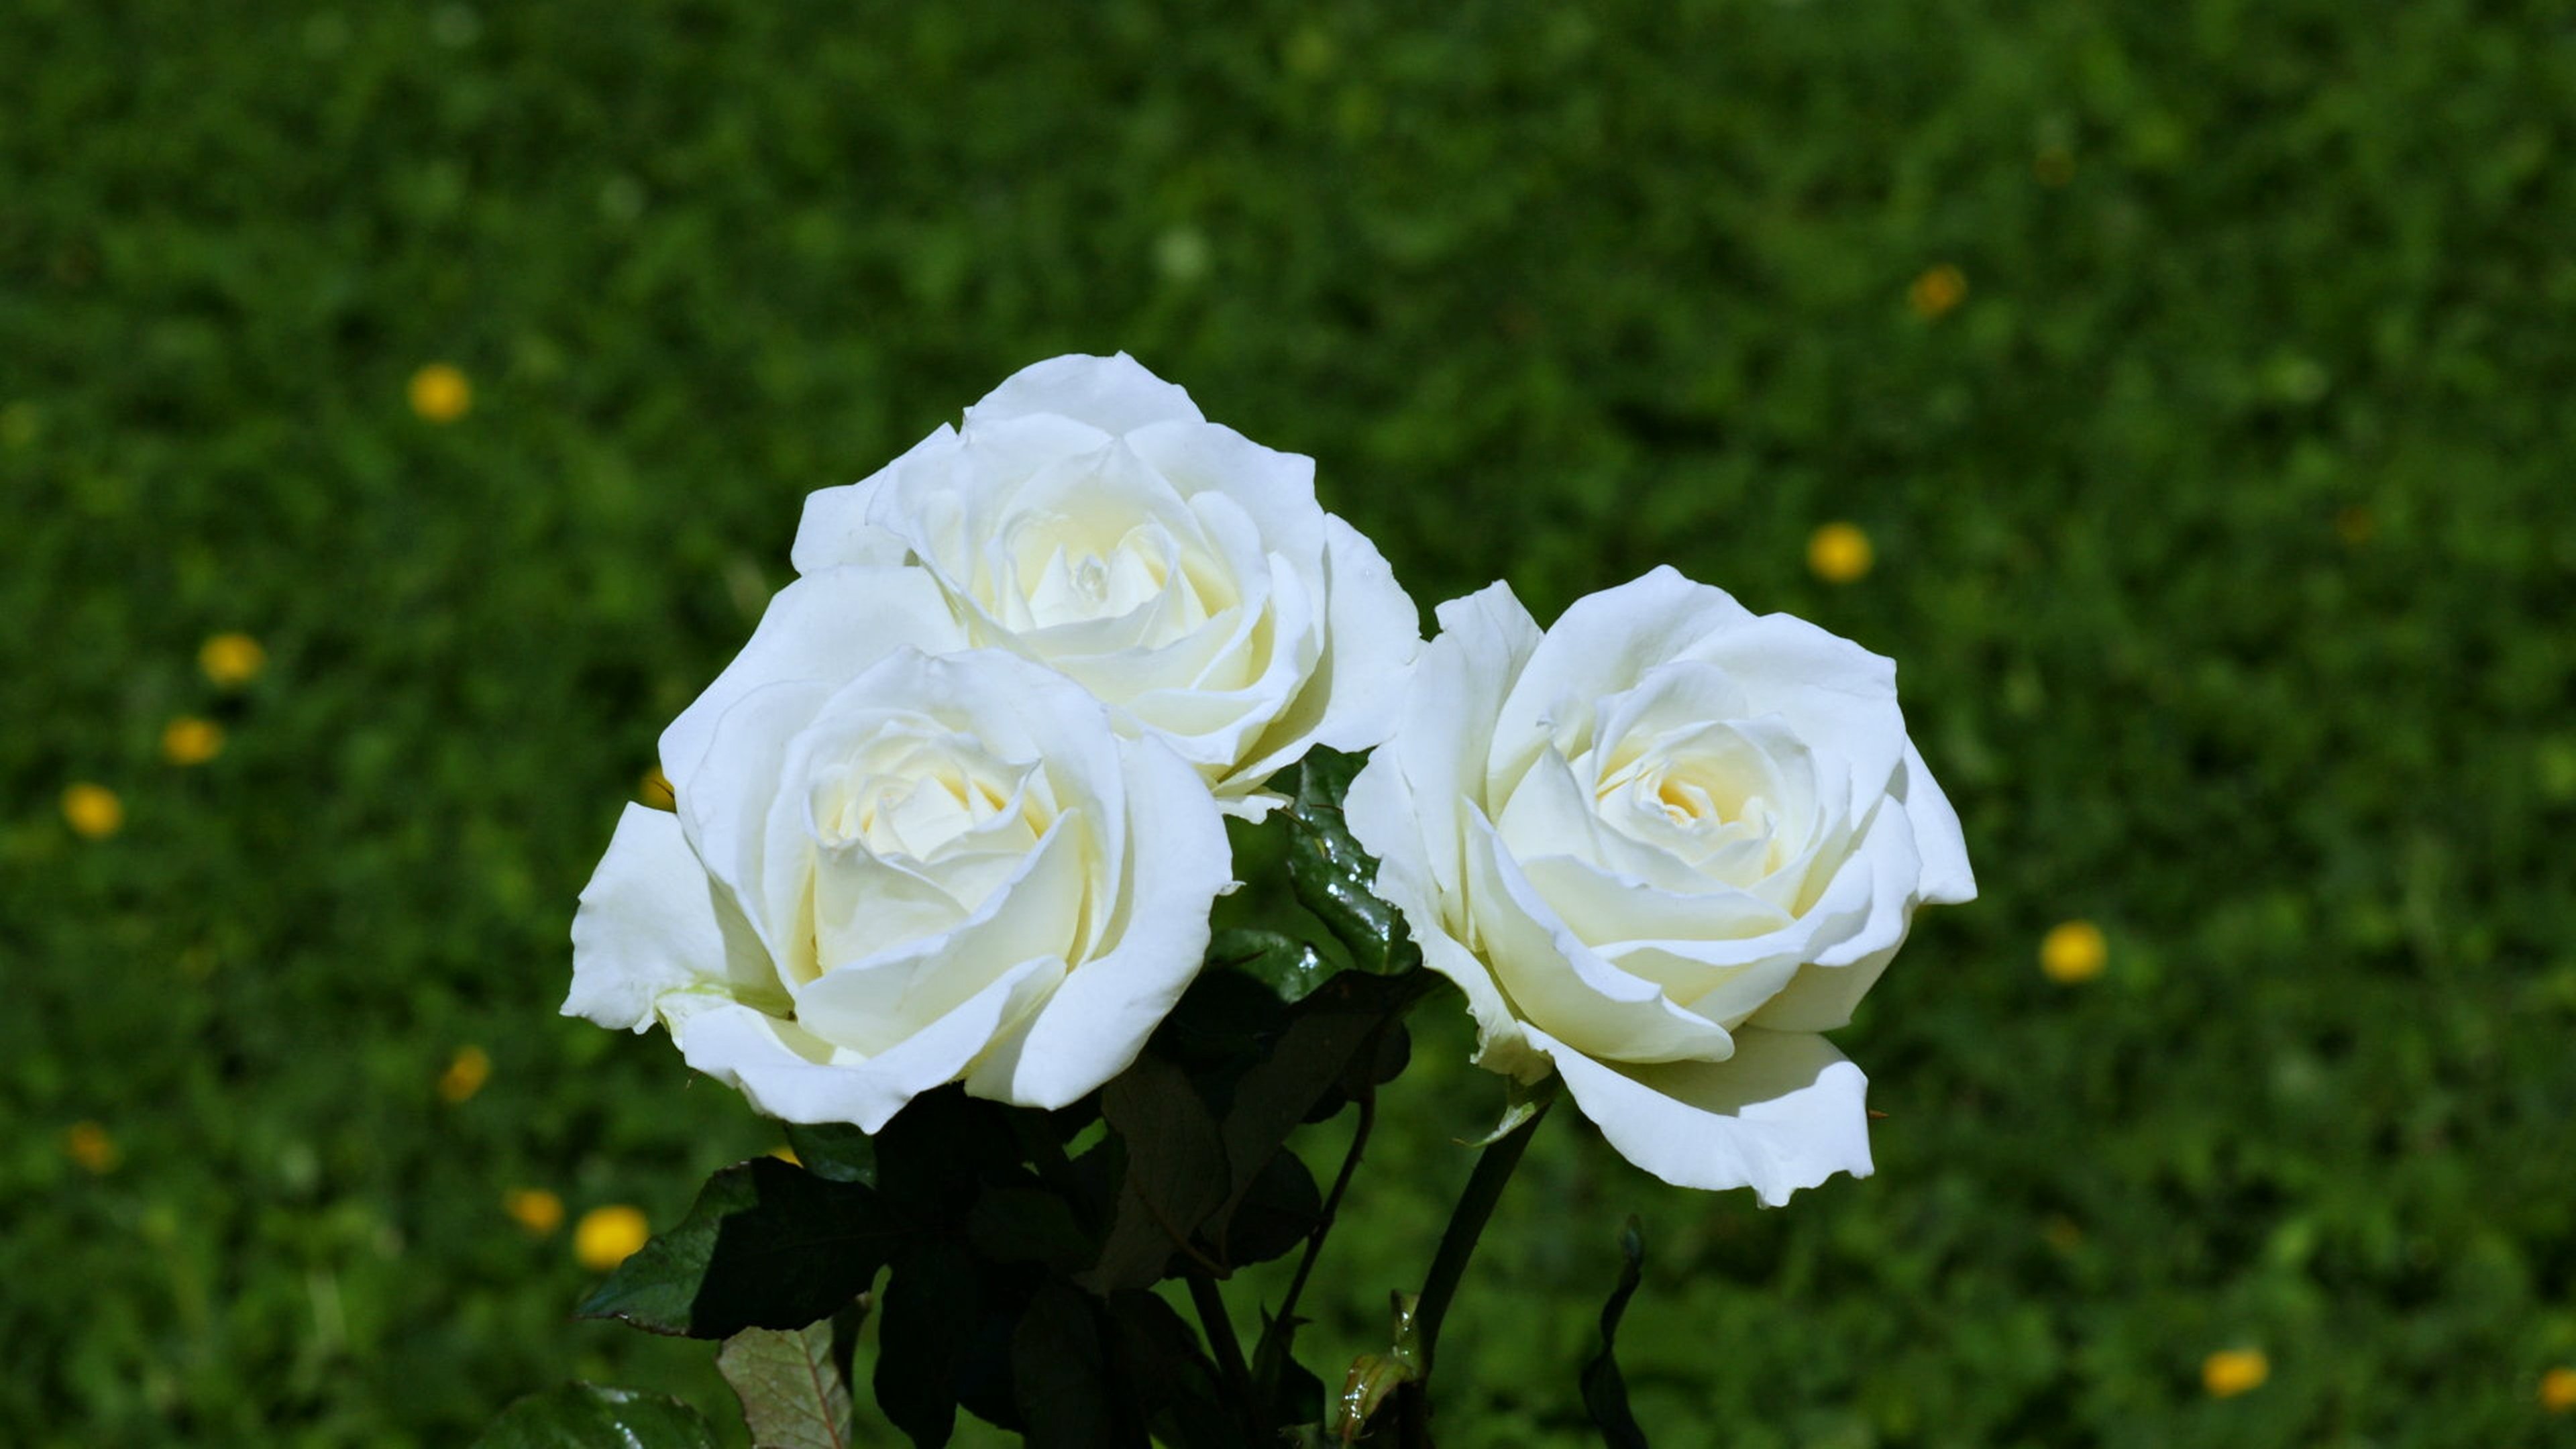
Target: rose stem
x: 1285, y: 1324
x: 1466, y: 1224
x: 1228, y: 1349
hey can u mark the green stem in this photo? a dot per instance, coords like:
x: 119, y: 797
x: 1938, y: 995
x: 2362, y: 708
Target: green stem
x: 1467, y: 1223
x: 1228, y: 1349
x: 1284, y: 1325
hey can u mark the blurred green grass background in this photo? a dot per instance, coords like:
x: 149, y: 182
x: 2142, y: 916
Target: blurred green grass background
x: 2220, y: 499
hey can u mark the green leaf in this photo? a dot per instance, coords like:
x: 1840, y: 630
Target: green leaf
x: 1279, y: 1211
x: 1309, y: 1061
x: 1290, y: 968
x: 1060, y: 1375
x: 835, y: 1151
x: 926, y: 1323
x: 790, y: 1384
x: 587, y: 1416
x: 1605, y: 1392
x: 1029, y: 1225
x: 1161, y: 1359
x: 1332, y: 875
x: 1176, y: 1172
x: 766, y: 1245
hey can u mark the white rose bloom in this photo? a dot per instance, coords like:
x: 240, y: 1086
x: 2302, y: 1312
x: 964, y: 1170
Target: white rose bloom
x: 1662, y: 847
x: 892, y: 869
x: 1087, y: 516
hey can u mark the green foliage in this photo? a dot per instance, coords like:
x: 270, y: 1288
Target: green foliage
x: 794, y: 1385
x: 765, y: 1245
x: 1333, y: 876
x: 586, y: 1416
x: 2222, y: 531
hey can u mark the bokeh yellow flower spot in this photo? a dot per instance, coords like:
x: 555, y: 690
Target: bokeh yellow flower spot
x: 93, y: 811
x: 1838, y: 553
x: 533, y: 1208
x: 2234, y: 1371
x: 1937, y: 291
x: 466, y: 1073
x: 608, y: 1236
x: 231, y: 660
x: 655, y: 789
x: 440, y: 393
x: 2073, y: 952
x: 2558, y: 1390
x: 189, y: 740
x: 88, y: 1144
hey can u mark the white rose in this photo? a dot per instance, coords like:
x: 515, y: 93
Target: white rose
x: 1662, y: 846
x: 892, y: 869
x: 1087, y: 516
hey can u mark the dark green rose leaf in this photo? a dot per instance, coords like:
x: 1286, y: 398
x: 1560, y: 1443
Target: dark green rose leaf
x: 1029, y: 1225
x: 1605, y: 1392
x: 1279, y: 1211
x: 791, y: 1386
x: 834, y: 1150
x: 587, y: 1416
x: 1307, y: 1065
x: 939, y: 1151
x: 927, y: 1319
x: 1060, y: 1375
x: 766, y: 1245
x: 1333, y: 876
x: 1160, y: 1359
x: 1288, y: 967
x: 1176, y: 1172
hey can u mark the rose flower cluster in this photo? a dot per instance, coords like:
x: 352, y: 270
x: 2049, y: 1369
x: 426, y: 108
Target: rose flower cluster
x: 957, y: 811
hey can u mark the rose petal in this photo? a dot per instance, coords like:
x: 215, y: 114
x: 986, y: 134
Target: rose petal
x: 1785, y: 1112
x: 791, y: 1074
x: 1372, y: 635
x: 1947, y: 880
x: 1602, y: 645
x: 835, y: 531
x: 1115, y: 394
x: 650, y: 921
x: 827, y: 626
x: 1096, y: 1022
x: 1563, y: 985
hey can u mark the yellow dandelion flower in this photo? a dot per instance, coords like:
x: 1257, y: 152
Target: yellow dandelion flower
x: 88, y: 1144
x: 466, y: 1073
x: 93, y: 811
x: 533, y: 1208
x: 189, y: 740
x: 231, y: 660
x: 2073, y: 952
x: 655, y: 789
x: 2558, y: 1390
x: 440, y: 393
x: 1838, y: 553
x: 2234, y: 1371
x: 1937, y: 291
x: 608, y: 1236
